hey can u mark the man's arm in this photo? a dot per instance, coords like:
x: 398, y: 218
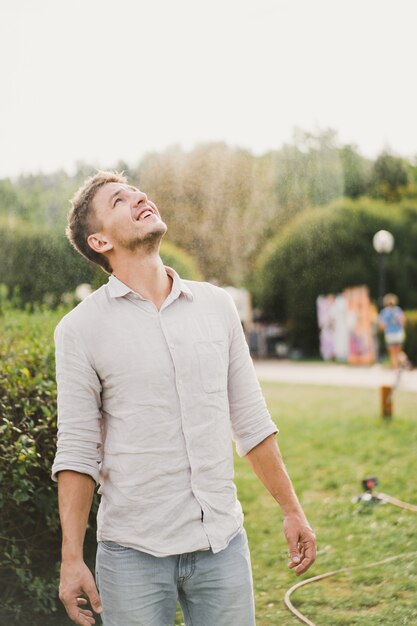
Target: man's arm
x: 76, y: 466
x: 267, y: 463
x: 253, y: 431
x: 75, y: 495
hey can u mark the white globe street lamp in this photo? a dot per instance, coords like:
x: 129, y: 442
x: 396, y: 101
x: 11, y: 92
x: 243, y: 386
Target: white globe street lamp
x: 383, y: 242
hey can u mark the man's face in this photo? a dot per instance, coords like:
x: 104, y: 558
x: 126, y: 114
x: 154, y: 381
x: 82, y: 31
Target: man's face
x: 127, y: 218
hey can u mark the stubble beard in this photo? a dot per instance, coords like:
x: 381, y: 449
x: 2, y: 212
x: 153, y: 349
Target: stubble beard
x: 149, y: 242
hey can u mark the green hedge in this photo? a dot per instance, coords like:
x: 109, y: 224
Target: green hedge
x: 29, y: 527
x: 41, y: 266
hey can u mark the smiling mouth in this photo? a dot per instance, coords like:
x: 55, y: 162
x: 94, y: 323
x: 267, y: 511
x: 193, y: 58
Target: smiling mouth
x: 143, y: 214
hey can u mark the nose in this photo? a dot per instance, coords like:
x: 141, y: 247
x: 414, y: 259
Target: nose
x: 139, y: 197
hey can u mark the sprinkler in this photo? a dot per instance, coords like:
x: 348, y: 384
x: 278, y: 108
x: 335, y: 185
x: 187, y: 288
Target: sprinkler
x: 368, y: 496
x: 369, y: 483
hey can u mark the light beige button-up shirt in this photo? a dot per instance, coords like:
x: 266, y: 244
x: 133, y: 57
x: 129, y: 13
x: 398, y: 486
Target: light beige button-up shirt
x: 148, y: 404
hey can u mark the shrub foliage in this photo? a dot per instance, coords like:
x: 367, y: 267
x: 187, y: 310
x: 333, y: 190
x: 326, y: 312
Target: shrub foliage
x: 29, y: 524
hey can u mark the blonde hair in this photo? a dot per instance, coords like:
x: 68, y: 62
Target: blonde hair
x: 82, y: 220
x: 390, y: 298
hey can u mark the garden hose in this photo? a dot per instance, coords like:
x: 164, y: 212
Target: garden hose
x: 375, y: 496
x: 390, y: 500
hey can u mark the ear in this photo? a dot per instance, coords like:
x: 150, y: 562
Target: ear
x: 99, y: 243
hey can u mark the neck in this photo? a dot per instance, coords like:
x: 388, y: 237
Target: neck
x: 145, y: 274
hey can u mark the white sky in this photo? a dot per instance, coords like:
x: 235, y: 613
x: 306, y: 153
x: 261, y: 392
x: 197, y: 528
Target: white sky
x: 103, y: 80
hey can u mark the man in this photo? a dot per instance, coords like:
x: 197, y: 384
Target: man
x: 154, y: 379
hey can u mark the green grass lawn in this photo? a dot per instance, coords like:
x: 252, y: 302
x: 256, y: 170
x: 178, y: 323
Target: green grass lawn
x: 331, y: 438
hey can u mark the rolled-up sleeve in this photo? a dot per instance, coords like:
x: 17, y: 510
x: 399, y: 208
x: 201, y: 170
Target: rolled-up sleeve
x: 79, y: 445
x: 250, y: 418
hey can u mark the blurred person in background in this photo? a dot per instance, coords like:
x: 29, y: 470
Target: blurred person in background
x: 391, y: 322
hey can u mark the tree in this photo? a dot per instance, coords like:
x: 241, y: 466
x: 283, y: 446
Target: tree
x: 356, y: 172
x: 213, y: 203
x: 308, y: 172
x: 9, y: 202
x: 388, y: 176
x: 223, y: 203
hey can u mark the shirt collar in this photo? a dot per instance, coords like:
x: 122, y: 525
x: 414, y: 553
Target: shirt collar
x: 118, y: 289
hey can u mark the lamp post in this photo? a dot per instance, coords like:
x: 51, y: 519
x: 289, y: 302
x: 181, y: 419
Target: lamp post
x: 383, y: 242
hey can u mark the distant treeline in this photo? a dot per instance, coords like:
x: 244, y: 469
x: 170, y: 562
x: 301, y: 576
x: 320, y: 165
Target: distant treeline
x: 222, y: 204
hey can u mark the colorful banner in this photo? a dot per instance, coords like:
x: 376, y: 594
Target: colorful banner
x: 348, y: 326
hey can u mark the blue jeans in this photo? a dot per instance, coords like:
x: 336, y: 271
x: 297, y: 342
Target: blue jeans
x: 138, y: 589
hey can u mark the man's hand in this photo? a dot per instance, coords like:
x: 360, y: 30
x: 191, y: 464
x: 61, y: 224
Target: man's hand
x: 301, y: 542
x: 76, y: 579
x: 266, y: 460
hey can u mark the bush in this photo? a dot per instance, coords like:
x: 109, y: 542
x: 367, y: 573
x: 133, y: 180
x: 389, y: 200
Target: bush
x: 41, y: 266
x: 29, y: 524
x: 410, y: 345
x: 326, y: 250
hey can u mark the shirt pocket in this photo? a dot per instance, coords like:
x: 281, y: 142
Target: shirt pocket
x: 212, y: 361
